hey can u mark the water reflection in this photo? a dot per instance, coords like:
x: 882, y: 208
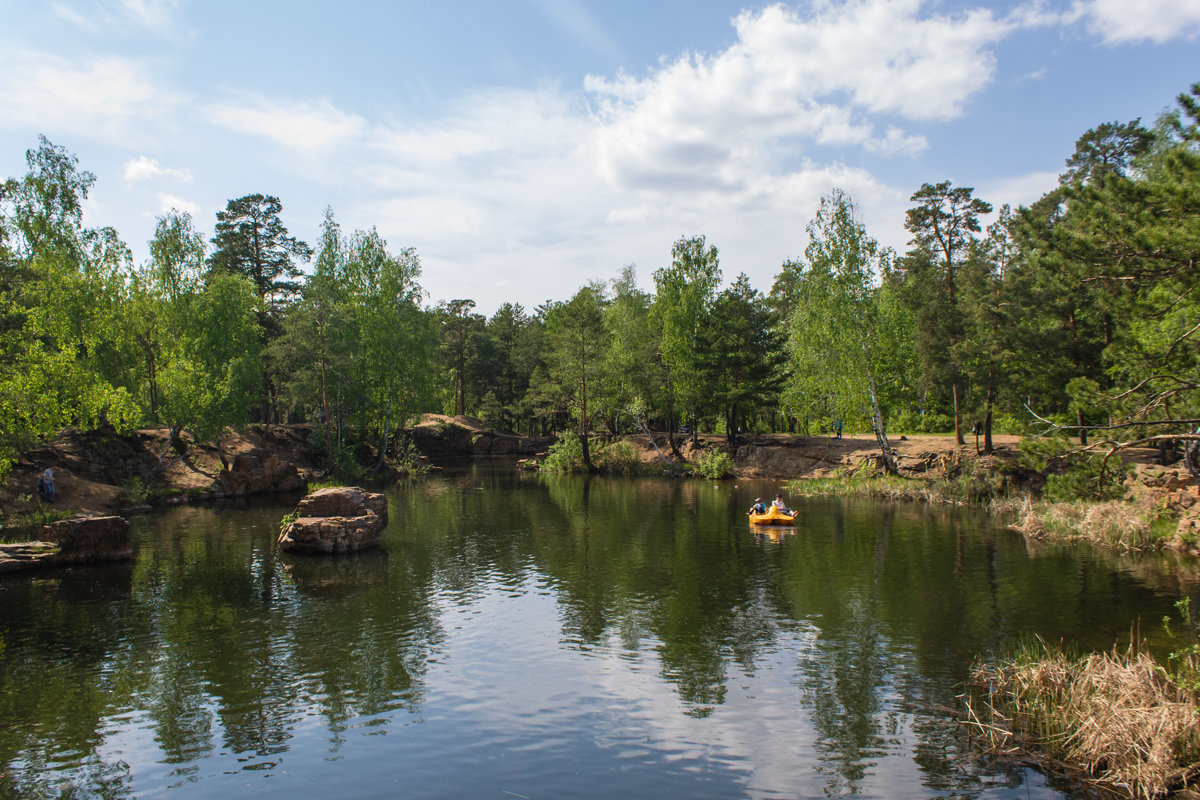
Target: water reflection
x: 520, y: 633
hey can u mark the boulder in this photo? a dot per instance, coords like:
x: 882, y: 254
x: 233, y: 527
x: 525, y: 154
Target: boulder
x: 343, y: 501
x: 258, y: 471
x: 84, y: 539
x: 340, y: 519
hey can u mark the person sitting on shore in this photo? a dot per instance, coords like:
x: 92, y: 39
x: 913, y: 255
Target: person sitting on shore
x: 759, y: 506
x: 782, y: 506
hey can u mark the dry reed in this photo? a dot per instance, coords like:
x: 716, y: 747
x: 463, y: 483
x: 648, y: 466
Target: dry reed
x: 1117, y: 717
x: 1111, y: 523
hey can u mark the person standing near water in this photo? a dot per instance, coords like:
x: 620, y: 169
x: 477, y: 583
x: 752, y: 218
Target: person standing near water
x: 46, y: 485
x: 837, y: 427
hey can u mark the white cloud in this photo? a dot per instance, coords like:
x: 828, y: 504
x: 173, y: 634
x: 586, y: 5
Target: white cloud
x: 301, y: 126
x: 144, y: 168
x: 170, y: 202
x: 793, y: 78
x: 897, y: 141
x: 1120, y: 21
x: 111, y: 98
x: 1021, y: 190
x: 120, y: 16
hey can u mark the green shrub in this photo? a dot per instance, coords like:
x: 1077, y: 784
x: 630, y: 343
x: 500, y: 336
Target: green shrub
x: 133, y: 492
x: 974, y: 484
x: 1009, y: 424
x: 908, y: 421
x: 1074, y: 476
x: 565, y: 455
x: 1083, y: 480
x: 346, y: 467
x: 715, y: 464
x: 937, y: 423
x: 618, y: 458
x: 903, y: 421
x: 288, y: 519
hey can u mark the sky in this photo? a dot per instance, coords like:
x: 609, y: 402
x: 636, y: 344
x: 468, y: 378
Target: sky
x: 527, y: 147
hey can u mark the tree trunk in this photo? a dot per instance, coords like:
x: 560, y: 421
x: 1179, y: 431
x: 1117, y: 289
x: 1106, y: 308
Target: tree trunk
x: 671, y: 424
x: 1082, y: 430
x: 958, y: 434
x: 383, y: 443
x: 328, y: 423
x: 885, y: 447
x: 987, y: 418
x: 587, y: 452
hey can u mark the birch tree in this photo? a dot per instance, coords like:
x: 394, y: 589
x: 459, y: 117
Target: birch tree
x: 844, y: 328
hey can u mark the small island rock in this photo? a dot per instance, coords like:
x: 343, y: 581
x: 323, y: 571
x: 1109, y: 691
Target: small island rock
x: 339, y: 519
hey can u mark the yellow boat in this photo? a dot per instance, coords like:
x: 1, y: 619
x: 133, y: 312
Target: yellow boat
x: 773, y: 517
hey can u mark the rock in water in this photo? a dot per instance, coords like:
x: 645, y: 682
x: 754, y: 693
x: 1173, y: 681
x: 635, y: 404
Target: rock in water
x: 82, y: 540
x: 339, y: 519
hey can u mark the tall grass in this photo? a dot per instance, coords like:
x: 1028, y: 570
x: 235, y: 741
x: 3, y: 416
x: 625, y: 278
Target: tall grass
x: 1110, y: 523
x: 1118, y: 717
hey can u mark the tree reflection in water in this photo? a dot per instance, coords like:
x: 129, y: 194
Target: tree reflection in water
x: 680, y: 650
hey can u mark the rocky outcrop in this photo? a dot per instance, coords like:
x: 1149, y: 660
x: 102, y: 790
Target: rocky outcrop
x: 758, y: 461
x: 258, y: 471
x: 80, y: 540
x: 443, y: 438
x: 340, y: 519
x: 1173, y: 490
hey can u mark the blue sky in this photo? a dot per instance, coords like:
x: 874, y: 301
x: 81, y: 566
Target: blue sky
x: 527, y: 147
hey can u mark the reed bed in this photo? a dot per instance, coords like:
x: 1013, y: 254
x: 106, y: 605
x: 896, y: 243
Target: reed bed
x: 1118, y: 718
x: 1114, y: 524
x: 1110, y: 523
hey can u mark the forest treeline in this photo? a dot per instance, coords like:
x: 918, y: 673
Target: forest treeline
x: 1078, y: 313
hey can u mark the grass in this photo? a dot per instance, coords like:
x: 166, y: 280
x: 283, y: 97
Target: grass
x: 1114, y: 524
x: 975, y: 487
x: 1110, y: 523
x: 28, y: 513
x: 1119, y: 718
x: 325, y: 484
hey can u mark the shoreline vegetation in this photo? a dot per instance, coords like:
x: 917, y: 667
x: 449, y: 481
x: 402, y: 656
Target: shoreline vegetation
x: 1119, y: 721
x: 262, y: 362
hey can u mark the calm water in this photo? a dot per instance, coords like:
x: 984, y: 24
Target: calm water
x: 525, y: 637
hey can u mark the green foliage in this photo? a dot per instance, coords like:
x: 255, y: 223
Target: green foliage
x: 618, y: 458
x: 28, y: 511
x: 577, y: 342
x: 1073, y: 475
x: 288, y: 519
x: 62, y: 338
x: 1183, y: 663
x: 715, y: 464
x: 1084, y: 480
x: 741, y: 355
x: 252, y: 242
x: 908, y: 421
x: 846, y: 334
x: 133, y: 492
x: 1011, y: 424
x: 565, y: 455
x: 347, y: 469
x: 684, y: 295
x: 974, y: 484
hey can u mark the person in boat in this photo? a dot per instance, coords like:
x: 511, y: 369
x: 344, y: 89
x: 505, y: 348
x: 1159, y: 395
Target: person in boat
x: 782, y: 506
x: 759, y: 506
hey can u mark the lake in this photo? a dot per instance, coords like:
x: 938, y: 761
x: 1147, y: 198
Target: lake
x: 537, y: 637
